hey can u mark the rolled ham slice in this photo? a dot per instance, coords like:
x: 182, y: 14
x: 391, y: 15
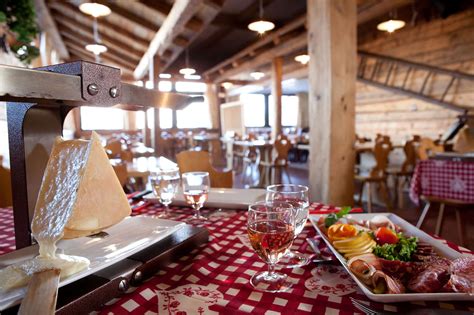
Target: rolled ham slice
x: 389, y: 285
x: 364, y: 267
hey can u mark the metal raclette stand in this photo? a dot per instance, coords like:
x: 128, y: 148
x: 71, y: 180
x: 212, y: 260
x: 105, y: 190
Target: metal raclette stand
x: 38, y: 101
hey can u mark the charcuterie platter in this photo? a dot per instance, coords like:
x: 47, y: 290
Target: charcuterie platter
x: 393, y: 261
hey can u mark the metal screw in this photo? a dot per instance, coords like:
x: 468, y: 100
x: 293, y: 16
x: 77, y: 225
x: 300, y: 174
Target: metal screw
x: 92, y: 89
x: 114, y: 92
x: 138, y: 276
x: 123, y: 285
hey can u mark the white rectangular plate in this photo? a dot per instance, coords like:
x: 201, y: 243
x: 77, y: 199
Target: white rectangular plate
x: 410, y: 230
x: 124, y: 240
x: 230, y: 198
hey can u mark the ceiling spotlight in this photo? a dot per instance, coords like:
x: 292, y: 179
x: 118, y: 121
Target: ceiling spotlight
x: 96, y: 49
x: 227, y: 85
x: 94, y: 9
x: 261, y: 26
x: 391, y: 25
x: 303, y: 59
x: 257, y: 75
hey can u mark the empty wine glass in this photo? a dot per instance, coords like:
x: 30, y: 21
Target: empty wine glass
x: 297, y: 196
x: 165, y: 184
x: 196, y: 188
x: 271, y: 229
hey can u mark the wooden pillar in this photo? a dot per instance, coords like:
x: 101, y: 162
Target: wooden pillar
x: 214, y: 106
x: 332, y: 37
x: 277, y: 74
x: 153, y: 73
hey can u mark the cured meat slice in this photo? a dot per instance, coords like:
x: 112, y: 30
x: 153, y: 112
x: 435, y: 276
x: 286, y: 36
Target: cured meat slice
x: 431, y: 279
x: 464, y: 265
x: 383, y: 283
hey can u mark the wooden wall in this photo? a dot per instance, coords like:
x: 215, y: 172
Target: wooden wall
x: 446, y: 43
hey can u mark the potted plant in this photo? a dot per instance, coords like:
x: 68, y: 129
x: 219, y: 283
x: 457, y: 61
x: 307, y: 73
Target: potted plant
x: 18, y: 29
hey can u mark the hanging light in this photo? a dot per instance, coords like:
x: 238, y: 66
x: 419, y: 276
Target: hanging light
x: 94, y: 9
x: 165, y: 76
x: 257, y: 75
x: 303, y: 59
x: 227, y: 85
x: 261, y: 26
x: 187, y: 70
x: 96, y: 49
x: 391, y: 25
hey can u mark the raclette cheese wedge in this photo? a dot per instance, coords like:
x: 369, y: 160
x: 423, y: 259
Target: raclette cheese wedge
x: 80, y: 193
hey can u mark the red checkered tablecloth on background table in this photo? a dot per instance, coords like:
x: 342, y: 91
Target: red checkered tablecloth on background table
x: 443, y: 179
x: 215, y: 278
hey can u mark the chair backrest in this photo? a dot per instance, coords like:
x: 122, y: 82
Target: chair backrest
x: 5, y: 187
x: 282, y: 146
x: 410, y: 148
x: 121, y: 172
x: 382, y: 149
x: 428, y: 148
x: 126, y: 156
x: 113, y: 148
x: 199, y: 161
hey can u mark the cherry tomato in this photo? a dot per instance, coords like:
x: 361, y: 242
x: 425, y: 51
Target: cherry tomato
x: 385, y: 235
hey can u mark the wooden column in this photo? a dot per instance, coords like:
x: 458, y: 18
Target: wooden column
x: 153, y: 73
x: 146, y: 131
x: 277, y: 74
x: 214, y: 106
x: 332, y: 77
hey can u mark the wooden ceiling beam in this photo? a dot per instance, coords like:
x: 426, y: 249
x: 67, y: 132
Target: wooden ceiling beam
x: 81, y: 30
x: 47, y: 24
x: 181, y: 12
x: 378, y: 8
x: 162, y: 10
x: 106, y: 29
x: 81, y: 40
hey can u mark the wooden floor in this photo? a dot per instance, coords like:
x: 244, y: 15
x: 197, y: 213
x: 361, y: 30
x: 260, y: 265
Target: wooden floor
x: 409, y: 211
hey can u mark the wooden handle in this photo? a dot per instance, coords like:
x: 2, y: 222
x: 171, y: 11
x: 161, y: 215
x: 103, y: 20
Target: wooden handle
x: 41, y: 294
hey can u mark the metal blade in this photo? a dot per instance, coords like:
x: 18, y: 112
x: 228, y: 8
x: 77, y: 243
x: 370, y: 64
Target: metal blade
x: 26, y: 84
x: 135, y: 95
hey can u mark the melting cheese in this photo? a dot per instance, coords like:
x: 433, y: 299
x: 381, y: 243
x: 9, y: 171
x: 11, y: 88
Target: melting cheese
x: 80, y: 195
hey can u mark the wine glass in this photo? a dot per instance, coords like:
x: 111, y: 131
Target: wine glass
x: 271, y: 229
x: 297, y: 196
x: 165, y: 184
x: 196, y: 188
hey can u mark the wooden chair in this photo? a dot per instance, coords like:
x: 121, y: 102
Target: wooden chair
x: 403, y: 175
x: 199, y: 161
x: 377, y: 174
x: 455, y: 204
x: 5, y: 187
x: 113, y: 148
x: 279, y: 164
x: 428, y: 148
x: 251, y: 158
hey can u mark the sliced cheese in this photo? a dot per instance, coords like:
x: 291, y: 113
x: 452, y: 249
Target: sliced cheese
x: 80, y: 193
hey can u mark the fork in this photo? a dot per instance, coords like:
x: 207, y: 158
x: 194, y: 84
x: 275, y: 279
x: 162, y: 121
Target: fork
x: 369, y: 311
x: 318, y: 257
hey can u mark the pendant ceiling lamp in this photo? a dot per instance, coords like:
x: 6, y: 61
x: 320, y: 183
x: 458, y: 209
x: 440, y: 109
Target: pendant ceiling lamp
x: 303, y: 59
x: 95, y: 10
x: 261, y: 26
x: 391, y: 25
x: 257, y: 75
x: 187, y: 70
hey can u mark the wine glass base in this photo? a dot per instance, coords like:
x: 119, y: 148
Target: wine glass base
x: 274, y: 282
x: 197, y: 219
x: 293, y: 259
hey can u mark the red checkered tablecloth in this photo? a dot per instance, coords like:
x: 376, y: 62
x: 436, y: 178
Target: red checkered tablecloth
x: 443, y: 179
x: 214, y: 279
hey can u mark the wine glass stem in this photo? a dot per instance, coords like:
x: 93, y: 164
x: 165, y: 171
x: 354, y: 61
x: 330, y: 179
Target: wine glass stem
x: 271, y: 269
x: 167, y: 208
x: 197, y: 211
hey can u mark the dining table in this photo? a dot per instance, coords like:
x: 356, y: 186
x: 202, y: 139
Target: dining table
x: 214, y: 278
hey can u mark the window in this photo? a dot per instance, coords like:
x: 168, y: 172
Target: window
x: 100, y: 118
x: 166, y: 118
x: 289, y: 110
x: 195, y: 115
x: 254, y: 109
x: 163, y: 86
x: 190, y: 87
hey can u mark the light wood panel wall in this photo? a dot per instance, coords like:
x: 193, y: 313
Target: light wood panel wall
x: 446, y: 43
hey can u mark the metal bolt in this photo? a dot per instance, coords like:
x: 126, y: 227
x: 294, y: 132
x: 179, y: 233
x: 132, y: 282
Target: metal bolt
x: 138, y: 276
x: 123, y: 285
x: 92, y: 89
x: 114, y: 92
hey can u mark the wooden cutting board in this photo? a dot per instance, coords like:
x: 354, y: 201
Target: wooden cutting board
x: 41, y: 294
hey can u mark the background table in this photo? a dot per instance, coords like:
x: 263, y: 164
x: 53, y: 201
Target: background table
x: 443, y: 179
x: 215, y: 278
